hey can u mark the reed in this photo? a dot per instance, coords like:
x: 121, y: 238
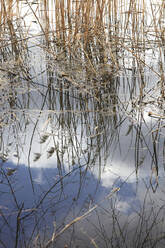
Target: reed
x: 91, y: 48
x: 112, y: 23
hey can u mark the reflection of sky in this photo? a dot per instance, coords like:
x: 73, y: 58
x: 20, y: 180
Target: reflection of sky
x: 119, y: 166
x: 81, y: 189
x: 73, y: 191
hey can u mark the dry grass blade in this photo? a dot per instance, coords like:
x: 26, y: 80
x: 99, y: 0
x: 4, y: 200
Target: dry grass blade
x: 50, y: 152
x: 37, y: 157
x: 154, y: 115
x: 44, y: 138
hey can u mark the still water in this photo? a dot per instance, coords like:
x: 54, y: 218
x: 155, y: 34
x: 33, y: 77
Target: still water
x: 81, y: 143
x: 88, y: 169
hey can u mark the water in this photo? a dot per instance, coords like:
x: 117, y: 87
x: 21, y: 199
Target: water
x: 81, y: 147
x: 63, y: 152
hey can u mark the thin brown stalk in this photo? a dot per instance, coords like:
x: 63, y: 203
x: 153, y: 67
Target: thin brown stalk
x: 54, y: 236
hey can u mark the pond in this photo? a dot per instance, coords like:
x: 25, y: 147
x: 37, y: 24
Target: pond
x: 82, y: 148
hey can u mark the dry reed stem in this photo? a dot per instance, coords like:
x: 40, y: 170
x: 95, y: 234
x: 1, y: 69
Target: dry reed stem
x: 54, y: 236
x: 154, y: 115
